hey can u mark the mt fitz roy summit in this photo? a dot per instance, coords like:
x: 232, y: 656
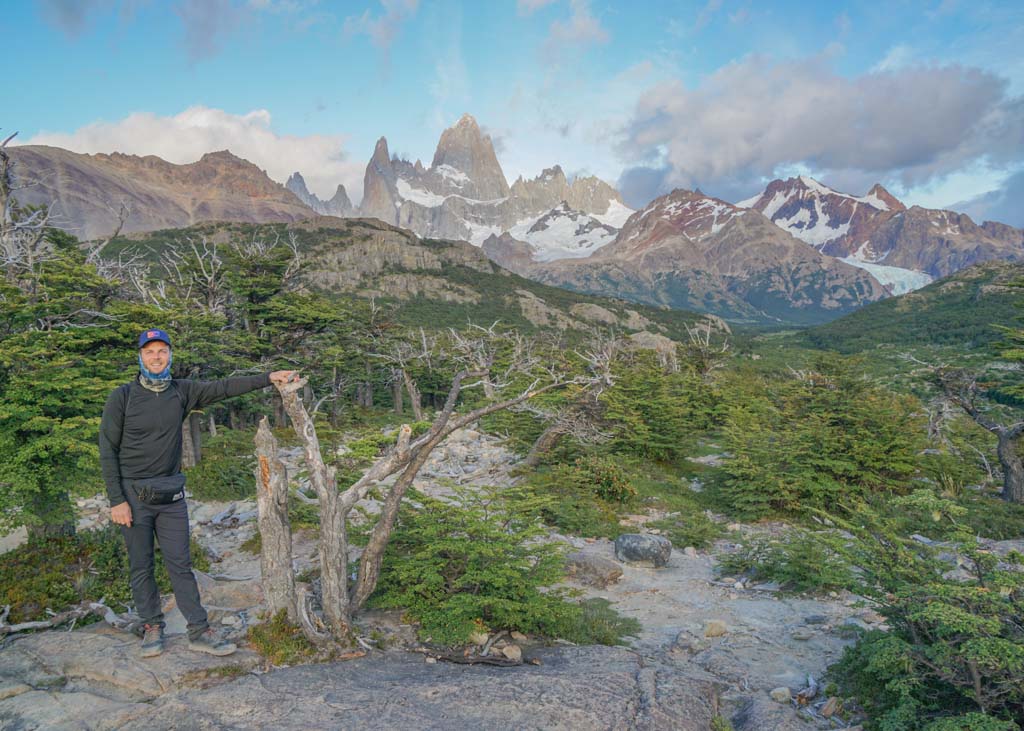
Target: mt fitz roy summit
x: 464, y: 195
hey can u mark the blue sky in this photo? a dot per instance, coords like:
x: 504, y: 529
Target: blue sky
x: 926, y: 97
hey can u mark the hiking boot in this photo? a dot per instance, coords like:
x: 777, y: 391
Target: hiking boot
x: 152, y: 640
x: 211, y: 643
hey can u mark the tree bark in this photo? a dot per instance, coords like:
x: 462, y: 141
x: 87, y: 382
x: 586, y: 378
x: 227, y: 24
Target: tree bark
x: 188, y: 452
x: 396, y: 392
x: 544, y: 444
x: 1012, y: 461
x: 369, y: 562
x: 276, y: 573
x: 414, y: 395
x: 333, y: 535
x: 211, y: 422
x: 197, y: 436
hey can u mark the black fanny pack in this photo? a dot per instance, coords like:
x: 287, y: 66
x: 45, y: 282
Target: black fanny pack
x: 160, y: 490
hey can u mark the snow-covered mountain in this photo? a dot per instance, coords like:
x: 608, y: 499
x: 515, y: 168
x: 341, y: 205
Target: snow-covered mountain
x: 464, y: 195
x: 903, y: 248
x: 688, y: 250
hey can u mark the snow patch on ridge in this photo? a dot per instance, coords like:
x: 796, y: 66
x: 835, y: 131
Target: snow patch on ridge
x: 418, y: 195
x: 616, y: 215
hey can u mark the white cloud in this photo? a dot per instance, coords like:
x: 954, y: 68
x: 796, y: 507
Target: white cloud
x: 754, y: 117
x: 185, y: 137
x: 580, y: 29
x: 383, y: 27
x: 526, y: 7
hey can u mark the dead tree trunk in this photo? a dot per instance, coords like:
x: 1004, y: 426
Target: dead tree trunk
x: 407, y: 457
x: 1012, y: 461
x: 188, y: 453
x: 277, y: 577
x: 333, y: 535
x: 544, y: 444
x: 415, y: 398
x: 211, y: 423
x: 197, y: 437
x: 396, y: 391
x: 961, y: 388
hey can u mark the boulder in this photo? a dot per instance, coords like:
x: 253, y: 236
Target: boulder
x: 592, y: 570
x: 643, y: 549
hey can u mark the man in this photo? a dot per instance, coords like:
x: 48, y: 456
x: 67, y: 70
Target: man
x: 140, y: 455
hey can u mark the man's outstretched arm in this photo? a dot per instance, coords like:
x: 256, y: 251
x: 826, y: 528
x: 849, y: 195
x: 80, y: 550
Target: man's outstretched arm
x: 203, y: 393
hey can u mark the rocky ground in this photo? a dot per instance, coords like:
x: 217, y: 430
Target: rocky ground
x: 707, y: 646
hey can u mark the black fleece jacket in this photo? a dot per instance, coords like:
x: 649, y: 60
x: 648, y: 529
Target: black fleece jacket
x: 140, y: 432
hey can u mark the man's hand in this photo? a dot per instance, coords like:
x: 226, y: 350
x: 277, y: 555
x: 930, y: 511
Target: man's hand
x: 279, y: 378
x: 121, y: 514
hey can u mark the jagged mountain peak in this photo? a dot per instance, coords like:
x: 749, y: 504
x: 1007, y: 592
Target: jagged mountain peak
x: 296, y: 183
x: 464, y: 149
x: 879, y: 192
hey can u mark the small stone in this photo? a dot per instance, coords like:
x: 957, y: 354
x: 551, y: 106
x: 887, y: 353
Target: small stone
x: 739, y: 585
x: 802, y: 634
x: 513, y: 652
x: 690, y: 551
x: 831, y: 707
x: 430, y: 660
x: 230, y: 620
x: 478, y: 638
x: 728, y: 580
x: 643, y: 549
x: 518, y: 636
x: 715, y: 628
x: 781, y: 694
x: 815, y: 619
x: 833, y: 594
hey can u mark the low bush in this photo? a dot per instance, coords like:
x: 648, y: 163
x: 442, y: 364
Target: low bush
x: 477, y: 564
x: 597, y: 624
x: 572, y: 506
x: 799, y: 562
x: 954, y: 655
x: 281, y: 642
x: 61, y: 572
x: 822, y: 436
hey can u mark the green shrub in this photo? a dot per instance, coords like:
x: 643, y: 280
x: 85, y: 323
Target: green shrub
x: 58, y: 573
x: 597, y: 624
x: 654, y: 413
x: 812, y: 441
x: 799, y: 562
x: 474, y: 564
x: 954, y: 656
x: 226, y: 471
x: 690, y: 528
x: 603, y: 476
x: 571, y: 506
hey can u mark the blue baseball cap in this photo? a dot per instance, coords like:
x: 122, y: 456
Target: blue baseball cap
x: 148, y: 336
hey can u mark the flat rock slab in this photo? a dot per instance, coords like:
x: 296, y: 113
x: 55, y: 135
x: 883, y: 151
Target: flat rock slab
x: 103, y: 660
x: 575, y: 689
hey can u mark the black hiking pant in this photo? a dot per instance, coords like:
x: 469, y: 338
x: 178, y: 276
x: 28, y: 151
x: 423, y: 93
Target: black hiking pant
x: 169, y: 524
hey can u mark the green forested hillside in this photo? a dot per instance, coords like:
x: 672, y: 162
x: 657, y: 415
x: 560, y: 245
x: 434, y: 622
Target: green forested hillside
x: 963, y: 310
